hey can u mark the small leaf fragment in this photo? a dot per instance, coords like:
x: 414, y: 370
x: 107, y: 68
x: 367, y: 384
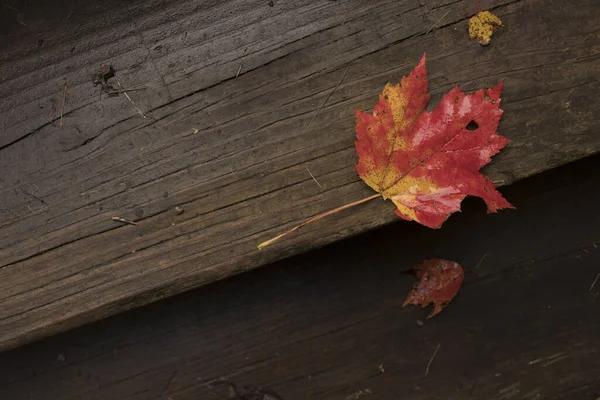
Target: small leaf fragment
x: 482, y: 26
x: 439, y: 281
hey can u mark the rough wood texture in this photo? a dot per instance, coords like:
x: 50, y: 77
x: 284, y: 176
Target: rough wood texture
x: 243, y: 176
x: 525, y: 324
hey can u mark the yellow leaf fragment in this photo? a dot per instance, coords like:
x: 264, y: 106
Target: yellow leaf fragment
x: 482, y: 26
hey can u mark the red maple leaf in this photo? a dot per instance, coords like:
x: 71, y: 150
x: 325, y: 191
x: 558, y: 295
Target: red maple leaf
x: 426, y: 162
x: 439, y: 281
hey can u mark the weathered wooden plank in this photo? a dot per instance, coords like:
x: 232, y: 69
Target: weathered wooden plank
x: 243, y: 176
x: 525, y: 324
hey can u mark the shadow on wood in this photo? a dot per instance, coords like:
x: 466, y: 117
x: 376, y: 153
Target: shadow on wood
x: 330, y: 324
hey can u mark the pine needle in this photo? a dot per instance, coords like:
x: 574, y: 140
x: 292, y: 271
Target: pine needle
x: 431, y: 359
x: 438, y: 21
x: 327, y: 99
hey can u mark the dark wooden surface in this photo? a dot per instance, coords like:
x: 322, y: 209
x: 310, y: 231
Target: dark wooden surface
x: 242, y: 177
x: 525, y: 325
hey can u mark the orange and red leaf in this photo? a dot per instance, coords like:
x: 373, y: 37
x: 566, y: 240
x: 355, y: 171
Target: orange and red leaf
x: 428, y: 162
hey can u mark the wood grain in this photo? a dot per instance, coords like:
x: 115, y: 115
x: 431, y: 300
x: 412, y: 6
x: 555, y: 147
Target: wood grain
x: 233, y: 150
x: 524, y: 325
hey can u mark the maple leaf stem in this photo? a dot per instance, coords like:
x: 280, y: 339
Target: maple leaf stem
x: 316, y: 218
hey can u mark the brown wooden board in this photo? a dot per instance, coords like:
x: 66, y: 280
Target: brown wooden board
x: 525, y: 324
x: 234, y: 121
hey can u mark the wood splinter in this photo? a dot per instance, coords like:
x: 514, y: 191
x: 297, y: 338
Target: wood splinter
x: 123, y: 220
